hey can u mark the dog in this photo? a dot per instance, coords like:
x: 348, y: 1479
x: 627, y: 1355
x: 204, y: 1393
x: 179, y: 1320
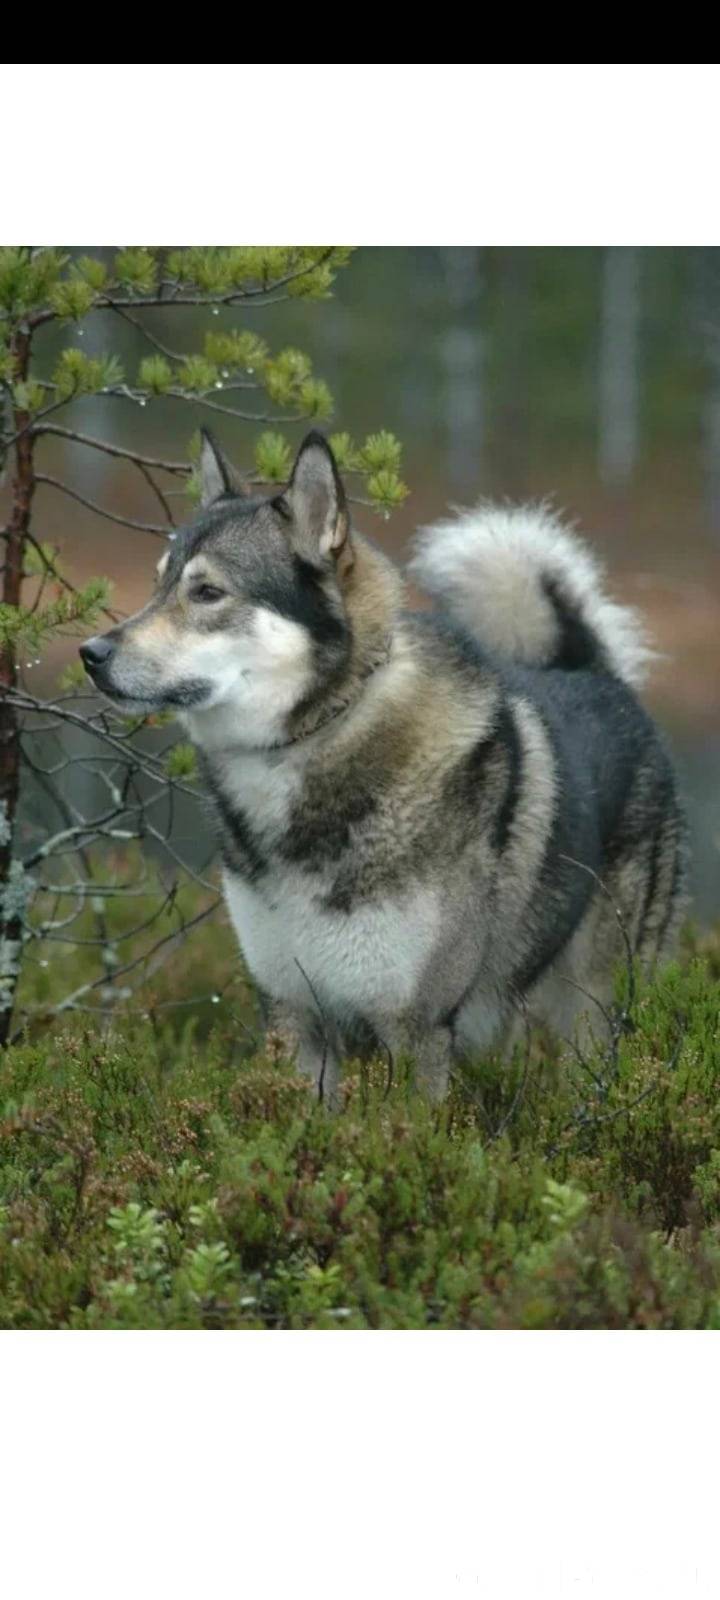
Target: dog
x: 433, y: 824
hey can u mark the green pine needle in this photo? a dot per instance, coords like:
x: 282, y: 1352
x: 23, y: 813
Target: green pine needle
x: 345, y: 452
x: 181, y: 762
x: 273, y: 457
x: 381, y: 451
x: 197, y: 374
x: 386, y: 489
x: 155, y: 374
x: 72, y: 297
x: 136, y: 270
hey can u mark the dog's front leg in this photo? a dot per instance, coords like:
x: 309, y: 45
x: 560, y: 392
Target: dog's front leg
x: 303, y: 1039
x: 428, y: 1050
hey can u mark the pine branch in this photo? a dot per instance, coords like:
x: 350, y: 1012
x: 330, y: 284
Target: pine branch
x: 258, y: 296
x: 54, y: 572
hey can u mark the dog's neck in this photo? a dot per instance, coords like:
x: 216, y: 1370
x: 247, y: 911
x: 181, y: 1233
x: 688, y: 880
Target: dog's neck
x: 372, y: 592
x: 309, y: 720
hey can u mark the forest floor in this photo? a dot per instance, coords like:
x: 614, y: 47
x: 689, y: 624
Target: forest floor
x: 163, y: 1174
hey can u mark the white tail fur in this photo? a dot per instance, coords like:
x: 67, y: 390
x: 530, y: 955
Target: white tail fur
x: 495, y: 570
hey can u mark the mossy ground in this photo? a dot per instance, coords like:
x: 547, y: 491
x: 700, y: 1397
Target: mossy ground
x: 163, y: 1175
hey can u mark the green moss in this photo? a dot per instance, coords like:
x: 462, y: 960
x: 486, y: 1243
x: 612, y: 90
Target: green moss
x: 155, y: 1178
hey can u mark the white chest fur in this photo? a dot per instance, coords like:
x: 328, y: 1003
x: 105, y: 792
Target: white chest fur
x: 369, y: 962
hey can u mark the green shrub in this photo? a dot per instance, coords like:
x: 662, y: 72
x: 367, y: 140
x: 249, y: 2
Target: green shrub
x: 156, y: 1179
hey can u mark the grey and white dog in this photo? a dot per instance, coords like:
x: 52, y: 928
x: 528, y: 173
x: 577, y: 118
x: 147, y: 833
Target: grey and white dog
x: 427, y: 819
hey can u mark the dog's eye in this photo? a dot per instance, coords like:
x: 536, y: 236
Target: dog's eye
x: 206, y: 593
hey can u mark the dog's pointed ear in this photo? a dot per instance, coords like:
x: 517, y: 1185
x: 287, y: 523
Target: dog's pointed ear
x: 217, y: 475
x: 317, y: 499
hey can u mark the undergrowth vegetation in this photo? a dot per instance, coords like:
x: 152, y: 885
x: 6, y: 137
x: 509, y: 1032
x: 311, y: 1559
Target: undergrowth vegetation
x: 167, y: 1173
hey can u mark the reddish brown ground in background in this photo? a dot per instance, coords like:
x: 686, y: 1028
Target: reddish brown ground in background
x: 660, y: 555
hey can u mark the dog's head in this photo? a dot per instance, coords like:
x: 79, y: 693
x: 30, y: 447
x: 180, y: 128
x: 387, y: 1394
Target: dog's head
x: 249, y: 606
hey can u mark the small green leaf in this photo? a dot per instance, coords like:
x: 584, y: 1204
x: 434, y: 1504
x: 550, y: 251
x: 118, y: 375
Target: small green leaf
x: 7, y: 363
x: 27, y: 277
x: 381, y: 451
x: 181, y: 762
x: 315, y: 398
x: 197, y: 374
x: 285, y: 375
x: 238, y: 351
x: 18, y: 624
x: 193, y: 487
x: 77, y: 374
x: 72, y: 297
x: 72, y: 677
x: 155, y: 374
x: 345, y: 452
x: 204, y: 267
x: 136, y: 270
x: 29, y: 396
x: 386, y: 489
x: 39, y: 559
x: 94, y: 272
x: 273, y: 457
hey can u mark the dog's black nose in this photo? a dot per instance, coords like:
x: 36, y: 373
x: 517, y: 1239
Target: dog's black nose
x: 96, y: 651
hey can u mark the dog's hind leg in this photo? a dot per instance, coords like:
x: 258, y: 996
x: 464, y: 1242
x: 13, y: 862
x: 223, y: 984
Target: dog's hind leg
x: 663, y: 901
x: 574, y: 997
x: 485, y: 1022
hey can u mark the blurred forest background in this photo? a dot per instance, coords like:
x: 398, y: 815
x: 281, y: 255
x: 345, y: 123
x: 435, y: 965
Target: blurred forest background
x: 588, y: 375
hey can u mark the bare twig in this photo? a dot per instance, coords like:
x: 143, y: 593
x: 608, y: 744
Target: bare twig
x: 521, y: 1086
x: 323, y: 1019
x: 60, y: 577
x: 629, y: 953
x: 153, y: 462
x: 101, y: 511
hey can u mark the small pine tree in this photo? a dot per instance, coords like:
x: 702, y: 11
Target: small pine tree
x: 49, y: 287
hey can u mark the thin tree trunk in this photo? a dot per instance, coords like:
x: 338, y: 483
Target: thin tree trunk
x: 511, y: 404
x: 705, y: 314
x: 11, y: 924
x: 618, y: 374
x: 461, y: 355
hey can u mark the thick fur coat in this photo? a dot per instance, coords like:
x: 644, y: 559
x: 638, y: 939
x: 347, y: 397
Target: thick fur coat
x: 428, y: 821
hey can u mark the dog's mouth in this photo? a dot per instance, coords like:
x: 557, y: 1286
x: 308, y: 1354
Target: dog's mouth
x: 192, y: 693
x: 121, y: 701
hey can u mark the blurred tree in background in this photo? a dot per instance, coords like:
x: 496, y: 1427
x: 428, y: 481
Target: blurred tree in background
x: 111, y: 783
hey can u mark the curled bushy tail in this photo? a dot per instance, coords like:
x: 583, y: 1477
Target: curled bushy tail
x: 525, y: 587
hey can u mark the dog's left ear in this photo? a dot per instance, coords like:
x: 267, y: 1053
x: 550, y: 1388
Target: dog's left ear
x: 317, y: 500
x: 217, y: 475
